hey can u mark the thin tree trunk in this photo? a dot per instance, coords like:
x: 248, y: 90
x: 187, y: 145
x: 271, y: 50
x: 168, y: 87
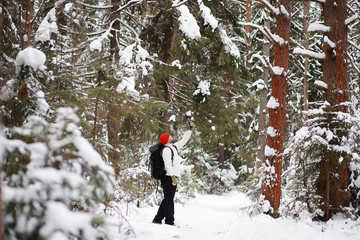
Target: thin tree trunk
x: 1, y: 85
x: 248, y: 33
x: 261, y: 142
x: 336, y: 174
x: 221, y: 157
x: 2, y: 13
x: 168, y: 44
x: 271, y: 185
x: 113, y: 129
x: 306, y: 20
x: 1, y: 212
x: 114, y: 47
x: 26, y: 15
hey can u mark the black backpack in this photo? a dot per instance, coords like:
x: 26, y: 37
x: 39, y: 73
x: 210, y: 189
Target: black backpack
x: 156, y: 162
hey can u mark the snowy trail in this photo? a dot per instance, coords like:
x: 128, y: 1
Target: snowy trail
x: 217, y: 217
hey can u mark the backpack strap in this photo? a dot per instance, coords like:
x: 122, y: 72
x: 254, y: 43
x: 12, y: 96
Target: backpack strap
x: 172, y: 153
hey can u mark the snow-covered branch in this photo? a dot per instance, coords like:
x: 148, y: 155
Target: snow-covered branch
x: 270, y: 7
x: 352, y: 19
x: 178, y: 3
x: 309, y: 53
x: 353, y: 65
x: 265, y: 31
x: 93, y: 6
x: 318, y: 28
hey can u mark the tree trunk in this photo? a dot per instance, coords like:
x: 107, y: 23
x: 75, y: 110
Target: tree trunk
x: 271, y: 185
x: 306, y: 20
x: 334, y: 169
x: 261, y: 142
x: 2, y: 13
x: 168, y: 44
x: 221, y: 157
x: 248, y: 33
x: 114, y: 47
x: 26, y: 16
x: 113, y: 129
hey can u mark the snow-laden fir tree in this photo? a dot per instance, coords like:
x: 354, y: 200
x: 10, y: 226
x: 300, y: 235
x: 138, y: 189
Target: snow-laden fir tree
x: 54, y: 181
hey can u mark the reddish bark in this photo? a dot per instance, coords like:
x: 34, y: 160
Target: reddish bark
x: 271, y: 185
x: 334, y: 175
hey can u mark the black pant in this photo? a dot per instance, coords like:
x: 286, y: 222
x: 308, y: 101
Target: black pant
x: 166, y: 209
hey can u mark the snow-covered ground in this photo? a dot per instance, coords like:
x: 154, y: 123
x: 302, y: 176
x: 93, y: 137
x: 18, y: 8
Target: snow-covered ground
x: 218, y: 217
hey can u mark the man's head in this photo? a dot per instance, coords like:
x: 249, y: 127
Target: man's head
x: 166, y: 138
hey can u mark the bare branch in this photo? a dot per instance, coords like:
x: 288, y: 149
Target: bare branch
x: 270, y: 7
x: 263, y: 30
x: 93, y: 6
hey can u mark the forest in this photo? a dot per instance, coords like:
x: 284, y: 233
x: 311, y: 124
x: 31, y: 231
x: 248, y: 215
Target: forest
x: 87, y: 86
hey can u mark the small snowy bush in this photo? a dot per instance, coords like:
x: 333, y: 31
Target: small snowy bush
x: 53, y: 181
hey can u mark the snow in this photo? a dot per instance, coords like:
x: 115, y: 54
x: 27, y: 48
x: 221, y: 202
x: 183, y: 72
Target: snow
x: 43, y: 106
x: 208, y: 17
x: 30, y: 57
x: 230, y: 46
x: 329, y: 42
x: 188, y: 24
x: 59, y: 216
x: 127, y: 54
x: 215, y: 217
x: 47, y: 27
x: 278, y: 70
x: 172, y: 118
x: 271, y: 131
x: 318, y: 27
x: 351, y: 19
x: 272, y: 103
x: 95, y: 45
x: 321, y: 84
x: 284, y: 11
x: 203, y: 88
x: 269, y: 151
x: 309, y: 53
x: 271, y: 7
x: 176, y: 63
x: 259, y: 85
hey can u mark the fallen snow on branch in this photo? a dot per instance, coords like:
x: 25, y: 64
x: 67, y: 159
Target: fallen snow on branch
x: 272, y: 103
x: 309, y: 53
x: 329, y: 42
x: 30, y: 57
x: 47, y: 27
x: 277, y: 70
x: 318, y: 27
x: 208, y: 17
x: 352, y: 19
x: 269, y: 151
x: 188, y: 24
x: 321, y: 84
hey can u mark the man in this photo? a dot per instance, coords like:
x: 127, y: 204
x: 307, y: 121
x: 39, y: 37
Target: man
x: 168, y: 183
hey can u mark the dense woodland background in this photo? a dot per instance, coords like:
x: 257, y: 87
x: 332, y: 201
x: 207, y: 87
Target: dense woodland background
x: 272, y: 86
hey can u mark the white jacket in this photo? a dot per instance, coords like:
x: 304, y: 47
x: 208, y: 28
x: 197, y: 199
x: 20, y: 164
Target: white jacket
x: 173, y: 167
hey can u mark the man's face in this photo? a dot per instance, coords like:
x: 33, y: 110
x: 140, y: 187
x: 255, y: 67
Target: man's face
x: 170, y: 139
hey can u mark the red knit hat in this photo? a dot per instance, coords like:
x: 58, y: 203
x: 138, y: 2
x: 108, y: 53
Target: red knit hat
x: 164, y: 138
